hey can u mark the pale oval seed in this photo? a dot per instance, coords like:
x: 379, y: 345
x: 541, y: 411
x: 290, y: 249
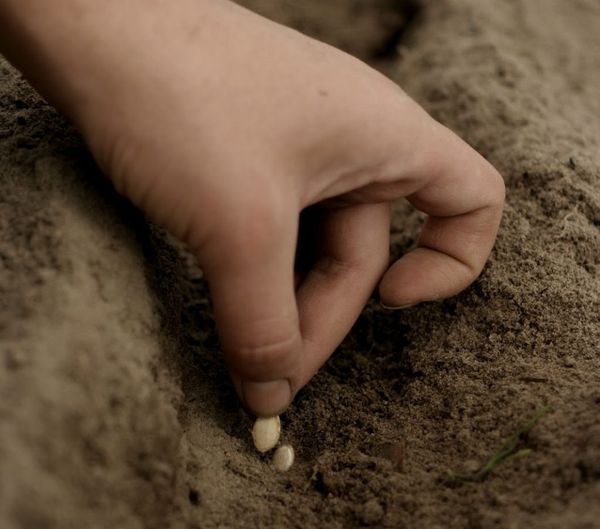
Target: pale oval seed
x: 265, y: 433
x: 283, y: 458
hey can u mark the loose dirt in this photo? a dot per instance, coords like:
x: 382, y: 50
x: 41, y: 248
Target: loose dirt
x: 115, y: 407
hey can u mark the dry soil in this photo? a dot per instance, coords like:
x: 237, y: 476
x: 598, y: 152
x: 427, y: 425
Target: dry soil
x: 115, y: 407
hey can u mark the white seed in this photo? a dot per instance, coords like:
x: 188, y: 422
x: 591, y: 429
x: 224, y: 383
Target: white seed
x: 283, y: 458
x: 265, y: 433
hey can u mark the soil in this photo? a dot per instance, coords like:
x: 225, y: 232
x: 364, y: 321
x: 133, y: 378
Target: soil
x: 115, y: 407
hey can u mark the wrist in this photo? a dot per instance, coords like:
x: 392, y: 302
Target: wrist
x: 47, y: 42
x: 82, y: 54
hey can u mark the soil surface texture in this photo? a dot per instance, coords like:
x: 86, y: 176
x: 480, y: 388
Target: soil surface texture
x: 115, y: 406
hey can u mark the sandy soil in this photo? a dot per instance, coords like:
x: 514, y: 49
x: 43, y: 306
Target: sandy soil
x: 115, y: 407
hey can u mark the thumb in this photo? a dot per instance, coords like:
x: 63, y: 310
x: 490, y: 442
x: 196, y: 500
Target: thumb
x: 249, y: 265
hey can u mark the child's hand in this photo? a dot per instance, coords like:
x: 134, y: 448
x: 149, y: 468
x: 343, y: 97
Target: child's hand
x: 224, y: 126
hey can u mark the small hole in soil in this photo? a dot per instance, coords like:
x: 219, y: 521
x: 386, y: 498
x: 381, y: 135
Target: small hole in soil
x: 194, y: 497
x: 410, y: 10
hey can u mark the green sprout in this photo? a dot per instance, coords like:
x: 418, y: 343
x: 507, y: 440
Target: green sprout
x: 511, y: 449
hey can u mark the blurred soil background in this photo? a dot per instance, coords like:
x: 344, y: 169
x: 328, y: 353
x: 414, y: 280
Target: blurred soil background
x: 115, y: 406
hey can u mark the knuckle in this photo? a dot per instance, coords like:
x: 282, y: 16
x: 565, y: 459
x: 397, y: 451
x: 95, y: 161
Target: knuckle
x: 330, y: 266
x: 262, y: 354
x: 367, y: 264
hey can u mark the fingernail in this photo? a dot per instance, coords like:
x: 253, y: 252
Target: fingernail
x: 267, y: 398
x: 399, y: 307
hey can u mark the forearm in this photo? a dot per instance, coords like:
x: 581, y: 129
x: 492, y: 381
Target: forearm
x: 75, y: 51
x: 47, y: 41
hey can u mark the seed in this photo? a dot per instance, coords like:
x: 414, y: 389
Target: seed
x: 265, y: 433
x: 283, y: 458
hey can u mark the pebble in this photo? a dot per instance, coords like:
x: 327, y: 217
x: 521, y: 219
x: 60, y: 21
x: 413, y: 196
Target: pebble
x: 371, y: 513
x: 569, y: 361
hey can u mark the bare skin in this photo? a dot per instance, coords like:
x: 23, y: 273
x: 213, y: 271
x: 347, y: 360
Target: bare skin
x: 223, y: 126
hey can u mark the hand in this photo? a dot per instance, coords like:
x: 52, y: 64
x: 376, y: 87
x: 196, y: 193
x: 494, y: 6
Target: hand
x: 224, y: 126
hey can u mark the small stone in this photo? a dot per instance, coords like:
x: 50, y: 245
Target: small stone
x: 395, y: 452
x: 471, y: 466
x: 569, y: 361
x: 370, y: 513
